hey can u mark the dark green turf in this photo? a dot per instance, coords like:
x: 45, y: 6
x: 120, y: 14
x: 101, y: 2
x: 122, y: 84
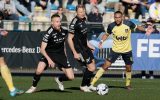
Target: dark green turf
x: 47, y: 90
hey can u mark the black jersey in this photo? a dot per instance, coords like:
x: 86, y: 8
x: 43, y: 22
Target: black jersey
x: 78, y: 27
x: 54, y: 39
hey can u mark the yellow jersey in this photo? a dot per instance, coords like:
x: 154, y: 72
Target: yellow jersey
x: 121, y: 36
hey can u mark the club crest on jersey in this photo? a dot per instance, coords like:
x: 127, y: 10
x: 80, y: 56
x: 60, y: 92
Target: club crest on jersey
x: 126, y: 30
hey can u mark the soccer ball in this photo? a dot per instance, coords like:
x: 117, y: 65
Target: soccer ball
x: 102, y: 89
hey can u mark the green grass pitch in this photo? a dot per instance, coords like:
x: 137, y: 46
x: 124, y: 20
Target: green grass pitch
x: 47, y: 90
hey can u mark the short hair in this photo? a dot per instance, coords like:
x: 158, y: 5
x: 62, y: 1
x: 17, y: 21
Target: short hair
x: 54, y: 15
x: 80, y: 6
x: 118, y: 12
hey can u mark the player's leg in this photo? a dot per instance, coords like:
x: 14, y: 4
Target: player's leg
x: 111, y: 59
x: 64, y: 65
x: 101, y: 71
x: 69, y: 75
x: 127, y: 57
x: 88, y: 74
x: 41, y: 67
x: 128, y: 77
x: 6, y: 75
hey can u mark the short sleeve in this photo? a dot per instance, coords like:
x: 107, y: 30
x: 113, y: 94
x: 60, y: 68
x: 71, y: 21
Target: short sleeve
x: 72, y: 26
x: 109, y: 29
x: 47, y: 35
x: 132, y: 25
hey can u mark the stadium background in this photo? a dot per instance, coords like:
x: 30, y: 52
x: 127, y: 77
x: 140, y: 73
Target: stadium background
x: 21, y: 51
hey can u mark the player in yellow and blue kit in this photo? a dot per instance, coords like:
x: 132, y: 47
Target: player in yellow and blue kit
x: 121, y: 31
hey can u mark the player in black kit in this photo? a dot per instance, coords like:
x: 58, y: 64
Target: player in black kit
x: 80, y: 46
x: 53, y: 51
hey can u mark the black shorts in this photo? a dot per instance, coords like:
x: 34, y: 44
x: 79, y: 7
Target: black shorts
x: 1, y: 54
x: 86, y: 56
x: 127, y: 57
x: 59, y: 58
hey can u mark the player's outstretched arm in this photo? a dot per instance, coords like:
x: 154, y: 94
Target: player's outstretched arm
x: 147, y: 30
x: 104, y: 37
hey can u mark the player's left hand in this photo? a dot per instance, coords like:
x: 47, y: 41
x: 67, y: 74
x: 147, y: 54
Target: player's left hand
x: 149, y: 31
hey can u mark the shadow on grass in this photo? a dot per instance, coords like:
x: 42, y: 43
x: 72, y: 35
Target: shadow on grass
x: 53, y: 90
x: 120, y: 87
x: 73, y: 88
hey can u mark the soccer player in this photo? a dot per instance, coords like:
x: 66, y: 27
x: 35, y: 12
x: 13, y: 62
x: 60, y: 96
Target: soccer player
x: 5, y: 72
x: 121, y: 31
x: 53, y: 51
x: 80, y: 46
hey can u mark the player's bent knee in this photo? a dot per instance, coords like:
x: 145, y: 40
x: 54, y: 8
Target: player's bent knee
x: 128, y: 68
x: 38, y: 72
x: 92, y: 69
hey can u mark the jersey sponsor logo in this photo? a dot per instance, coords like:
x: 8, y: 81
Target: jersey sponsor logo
x: 121, y: 38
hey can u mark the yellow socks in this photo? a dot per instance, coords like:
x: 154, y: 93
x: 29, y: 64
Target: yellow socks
x: 128, y: 78
x: 6, y: 75
x: 97, y: 76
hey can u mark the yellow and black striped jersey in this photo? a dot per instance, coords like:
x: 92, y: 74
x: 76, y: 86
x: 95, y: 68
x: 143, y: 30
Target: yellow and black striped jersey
x: 121, y: 36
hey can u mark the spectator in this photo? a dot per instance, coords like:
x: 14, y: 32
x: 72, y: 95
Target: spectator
x: 147, y: 3
x: 149, y: 25
x: 43, y: 4
x: 79, y: 2
x: 62, y: 16
x: 9, y: 11
x: 60, y: 3
x: 95, y: 16
x: 134, y: 5
x: 26, y: 4
x: 100, y: 4
x: 115, y: 4
x: 22, y: 9
x: 154, y: 11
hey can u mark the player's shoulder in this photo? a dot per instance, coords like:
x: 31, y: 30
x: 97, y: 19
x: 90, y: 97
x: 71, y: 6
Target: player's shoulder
x: 112, y: 25
x: 50, y: 30
x: 64, y: 30
x: 74, y: 20
x: 127, y: 22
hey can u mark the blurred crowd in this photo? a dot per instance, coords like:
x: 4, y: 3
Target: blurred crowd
x: 41, y: 10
